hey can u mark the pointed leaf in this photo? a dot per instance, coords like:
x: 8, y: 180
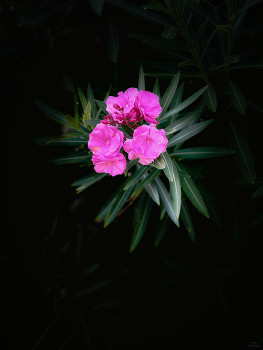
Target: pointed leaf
x: 83, y: 99
x: 158, y: 163
x: 169, y: 93
x: 237, y: 97
x: 258, y: 193
x: 189, y: 132
x: 168, y: 170
x: 97, y: 6
x: 210, y: 98
x: 92, y: 122
x: 180, y: 123
x: 52, y: 113
x: 156, y: 88
x: 162, y: 229
x: 70, y: 139
x: 72, y: 158
x: 193, y: 194
x: 119, y: 202
x: 90, y: 98
x: 243, y: 155
x: 141, y: 81
x: 187, y: 221
x: 136, y: 177
x: 102, y: 105
x: 167, y: 201
x: 87, y: 181
x: 175, y: 190
x: 141, y: 224
x: 183, y: 104
x: 87, y: 114
x: 152, y: 191
x: 202, y: 152
x: 148, y: 178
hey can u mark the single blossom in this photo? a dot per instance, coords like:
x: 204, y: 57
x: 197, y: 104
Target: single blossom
x: 112, y: 164
x: 105, y: 139
x: 147, y: 103
x: 122, y: 106
x: 147, y: 144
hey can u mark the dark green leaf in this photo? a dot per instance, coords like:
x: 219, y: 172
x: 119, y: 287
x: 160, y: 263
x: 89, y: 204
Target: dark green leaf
x: 258, y: 193
x: 127, y: 129
x: 183, y: 104
x: 83, y: 99
x: 119, y: 202
x: 237, y: 97
x: 187, y: 220
x: 91, y: 289
x: 72, y: 158
x: 142, y: 221
x: 52, y: 113
x: 92, y: 122
x: 180, y: 123
x: 202, y: 152
x: 156, y: 88
x: 243, y: 154
x: 169, y: 32
x: 162, y: 229
x: 148, y: 179
x: 73, y: 123
x: 141, y: 81
x: 102, y: 105
x: 152, y: 191
x: 97, y: 6
x: 70, y: 139
x: 189, y: 132
x: 166, y: 199
x: 90, y: 98
x: 68, y: 83
x: 210, y: 98
x: 169, y: 93
x: 87, y: 181
x: 137, y: 176
x: 168, y: 170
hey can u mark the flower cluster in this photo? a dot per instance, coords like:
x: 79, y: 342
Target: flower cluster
x: 128, y: 108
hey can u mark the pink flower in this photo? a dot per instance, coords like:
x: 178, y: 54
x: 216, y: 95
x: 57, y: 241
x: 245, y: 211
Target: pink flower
x: 105, y: 139
x: 147, y: 144
x: 122, y: 106
x: 147, y: 103
x: 112, y: 164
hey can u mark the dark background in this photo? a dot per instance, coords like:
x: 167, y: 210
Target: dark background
x: 178, y: 295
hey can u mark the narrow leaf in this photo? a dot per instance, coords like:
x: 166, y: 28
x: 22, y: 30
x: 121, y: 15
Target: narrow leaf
x: 97, y: 6
x: 183, y: 104
x: 72, y: 158
x: 158, y: 163
x: 92, y: 122
x: 152, y: 191
x: 210, y: 98
x: 187, y: 221
x: 167, y: 201
x: 168, y: 170
x: 136, y: 177
x: 141, y: 81
x: 169, y: 94
x: 258, y: 193
x: 243, y: 155
x: 87, y: 181
x: 162, y: 229
x: 202, y: 152
x: 87, y: 114
x: 237, y: 97
x: 141, y: 224
x: 180, y: 123
x: 52, y: 113
x: 156, y: 88
x: 83, y: 99
x: 175, y: 190
x: 102, y: 105
x: 189, y: 132
x: 147, y: 179
x: 70, y: 139
x: 90, y: 98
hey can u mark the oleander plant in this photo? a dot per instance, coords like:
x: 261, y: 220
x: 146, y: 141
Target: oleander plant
x: 140, y: 135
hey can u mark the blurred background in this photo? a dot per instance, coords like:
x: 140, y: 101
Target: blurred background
x: 66, y: 281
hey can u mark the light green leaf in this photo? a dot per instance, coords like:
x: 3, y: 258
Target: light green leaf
x: 72, y: 158
x: 90, y: 98
x: 175, y: 190
x: 152, y: 191
x: 167, y: 201
x: 237, y: 97
x: 148, y: 178
x: 158, y: 163
x: 162, y: 229
x: 141, y: 81
x: 193, y: 194
x: 202, y: 152
x: 83, y: 99
x: 189, y: 132
x: 210, y: 98
x: 119, y: 202
x: 142, y: 221
x: 169, y: 94
x: 168, y: 170
x: 258, y: 193
x: 87, y: 114
x: 73, y: 123
x: 243, y: 155
x: 183, y: 104
x: 87, y: 181
x: 137, y: 176
x: 97, y: 6
x: 187, y: 221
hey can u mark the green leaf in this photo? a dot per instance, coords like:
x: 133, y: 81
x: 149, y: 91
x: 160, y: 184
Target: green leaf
x: 167, y: 201
x: 202, y: 152
x: 141, y: 81
x: 258, y: 193
x: 169, y: 94
x: 70, y: 139
x: 87, y: 114
x: 87, y: 181
x: 187, y: 221
x: 92, y: 122
x: 189, y: 132
x: 169, y: 32
x: 175, y: 190
x: 119, y: 202
x: 127, y: 129
x: 180, y: 123
x: 83, y: 99
x: 102, y: 105
x: 97, y: 6
x: 130, y: 164
x: 183, y: 104
x: 91, y: 289
x: 136, y: 177
x: 162, y: 229
x: 156, y: 88
x: 158, y: 163
x: 243, y: 155
x: 168, y: 170
x: 73, y: 123
x: 68, y: 83
x: 52, y: 113
x: 152, y: 191
x: 193, y: 194
x: 237, y: 97
x: 90, y: 98
x: 141, y: 224
x: 210, y: 98
x: 72, y: 158
x: 113, y: 41
x: 107, y: 206
x: 147, y: 180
